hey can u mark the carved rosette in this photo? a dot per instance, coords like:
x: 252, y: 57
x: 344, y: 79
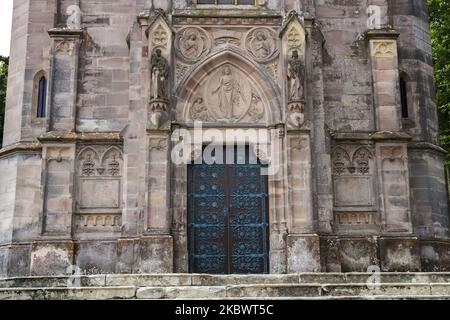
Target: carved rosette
x: 192, y: 44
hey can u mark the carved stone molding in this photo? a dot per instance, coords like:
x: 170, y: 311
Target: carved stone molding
x: 159, y: 144
x: 384, y: 48
x: 99, y: 220
x: 355, y: 218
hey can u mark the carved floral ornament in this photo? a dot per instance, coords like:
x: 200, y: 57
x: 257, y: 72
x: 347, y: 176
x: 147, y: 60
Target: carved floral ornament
x: 346, y: 162
x: 160, y: 36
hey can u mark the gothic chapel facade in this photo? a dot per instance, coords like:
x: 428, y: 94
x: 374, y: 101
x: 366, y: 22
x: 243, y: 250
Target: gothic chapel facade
x: 101, y: 92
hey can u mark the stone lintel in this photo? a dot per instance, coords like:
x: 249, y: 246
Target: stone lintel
x: 70, y: 137
x: 65, y: 33
x: 382, y: 34
x: 20, y: 147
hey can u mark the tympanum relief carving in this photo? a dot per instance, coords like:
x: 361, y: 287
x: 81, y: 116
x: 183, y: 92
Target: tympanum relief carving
x: 227, y: 95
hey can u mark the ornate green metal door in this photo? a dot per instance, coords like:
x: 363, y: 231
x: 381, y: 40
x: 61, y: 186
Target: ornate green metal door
x: 228, y: 218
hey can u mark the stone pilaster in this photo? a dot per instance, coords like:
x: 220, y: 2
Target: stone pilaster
x: 384, y: 57
x: 64, y: 78
x: 393, y: 175
x: 302, y: 244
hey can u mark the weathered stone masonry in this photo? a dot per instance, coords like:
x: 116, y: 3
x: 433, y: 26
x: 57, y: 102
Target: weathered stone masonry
x: 92, y: 184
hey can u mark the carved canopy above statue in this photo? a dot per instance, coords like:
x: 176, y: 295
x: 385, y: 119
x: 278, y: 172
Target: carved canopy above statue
x: 228, y: 89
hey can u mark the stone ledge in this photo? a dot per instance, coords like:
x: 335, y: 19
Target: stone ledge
x: 385, y: 33
x: 375, y: 136
x: 21, y: 147
x: 65, y: 33
x: 70, y: 137
x: 427, y: 146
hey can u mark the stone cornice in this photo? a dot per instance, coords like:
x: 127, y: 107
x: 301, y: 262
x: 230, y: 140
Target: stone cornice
x: 65, y: 33
x: 21, y: 147
x: 386, y: 33
x: 427, y: 146
x: 376, y: 136
x: 71, y: 137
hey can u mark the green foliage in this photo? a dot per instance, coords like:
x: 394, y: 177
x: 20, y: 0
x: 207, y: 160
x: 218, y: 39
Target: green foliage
x: 440, y: 34
x: 4, y: 62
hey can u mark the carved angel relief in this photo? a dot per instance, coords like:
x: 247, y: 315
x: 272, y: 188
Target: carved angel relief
x: 227, y: 96
x: 261, y: 43
x: 192, y: 44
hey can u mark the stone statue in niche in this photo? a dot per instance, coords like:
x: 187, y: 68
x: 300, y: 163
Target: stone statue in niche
x: 74, y: 19
x: 296, y: 78
x: 160, y: 74
x: 228, y: 94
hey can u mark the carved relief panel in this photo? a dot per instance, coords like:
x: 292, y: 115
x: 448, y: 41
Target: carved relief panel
x: 227, y: 95
x: 353, y: 168
x: 258, y: 43
x: 99, y: 171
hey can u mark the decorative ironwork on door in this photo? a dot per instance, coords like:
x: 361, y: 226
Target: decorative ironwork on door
x: 228, y: 218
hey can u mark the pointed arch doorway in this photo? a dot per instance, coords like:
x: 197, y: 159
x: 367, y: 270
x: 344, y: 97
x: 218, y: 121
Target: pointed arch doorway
x: 228, y: 220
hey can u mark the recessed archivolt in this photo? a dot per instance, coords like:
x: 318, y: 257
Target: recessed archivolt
x: 229, y: 88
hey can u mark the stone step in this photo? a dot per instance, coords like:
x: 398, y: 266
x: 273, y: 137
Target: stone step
x: 164, y: 280
x: 254, y: 291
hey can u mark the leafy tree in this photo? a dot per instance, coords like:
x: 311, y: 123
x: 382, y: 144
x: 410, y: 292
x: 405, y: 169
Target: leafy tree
x: 440, y: 34
x: 4, y: 62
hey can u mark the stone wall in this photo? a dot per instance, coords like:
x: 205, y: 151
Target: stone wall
x: 92, y: 184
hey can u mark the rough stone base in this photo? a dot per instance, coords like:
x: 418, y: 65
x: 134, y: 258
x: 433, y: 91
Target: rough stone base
x: 303, y: 253
x: 399, y: 254
x: 54, y: 258
x: 435, y: 255
x: 155, y: 254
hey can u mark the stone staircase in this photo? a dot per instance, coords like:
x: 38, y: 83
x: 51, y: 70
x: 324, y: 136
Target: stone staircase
x: 305, y: 286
